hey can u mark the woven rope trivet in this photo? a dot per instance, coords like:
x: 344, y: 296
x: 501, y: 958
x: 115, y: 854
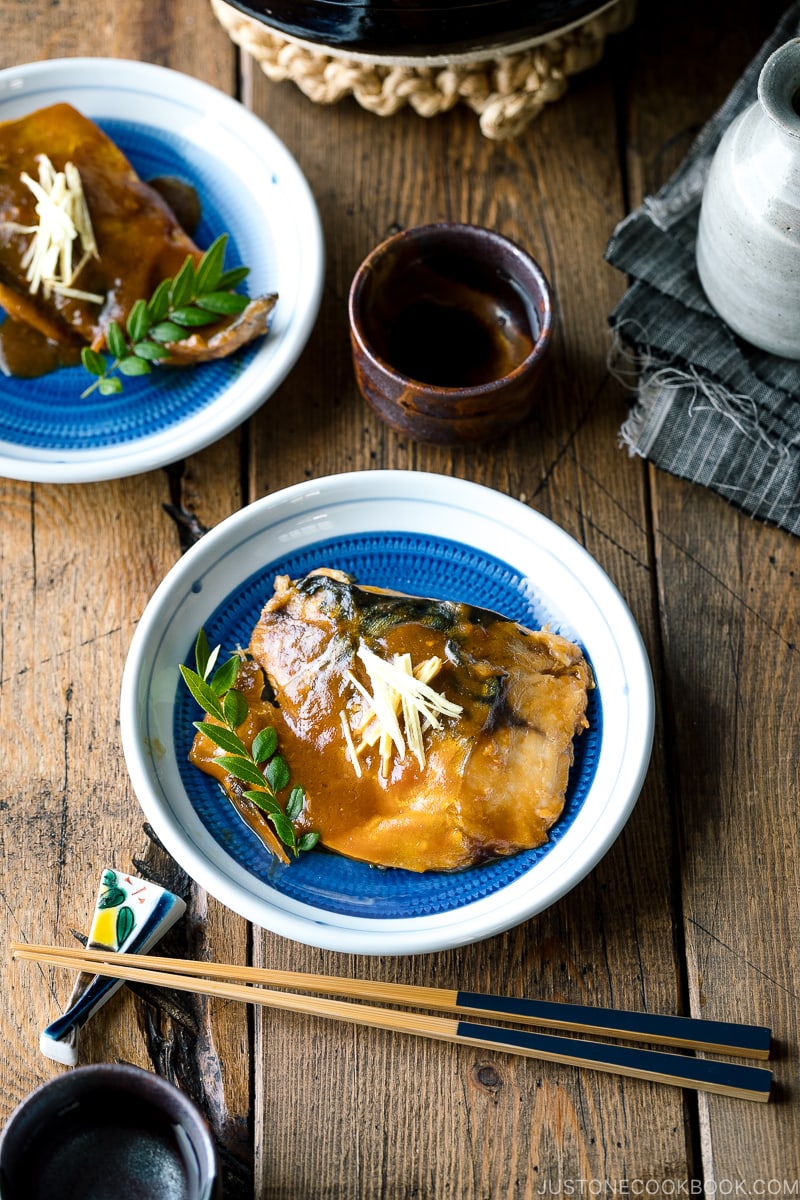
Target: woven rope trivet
x: 506, y: 90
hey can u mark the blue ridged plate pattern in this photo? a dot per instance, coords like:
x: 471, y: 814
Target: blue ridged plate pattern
x: 426, y: 535
x: 249, y: 187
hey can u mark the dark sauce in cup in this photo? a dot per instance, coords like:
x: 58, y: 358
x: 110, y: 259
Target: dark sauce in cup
x: 450, y: 325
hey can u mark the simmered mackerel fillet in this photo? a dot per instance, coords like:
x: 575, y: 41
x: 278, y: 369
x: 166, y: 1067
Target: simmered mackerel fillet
x: 495, y: 773
x: 139, y: 240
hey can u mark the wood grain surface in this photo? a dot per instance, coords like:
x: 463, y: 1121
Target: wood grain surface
x: 693, y: 910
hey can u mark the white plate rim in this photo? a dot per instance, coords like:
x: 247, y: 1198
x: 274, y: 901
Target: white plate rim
x: 623, y: 774
x: 298, y: 304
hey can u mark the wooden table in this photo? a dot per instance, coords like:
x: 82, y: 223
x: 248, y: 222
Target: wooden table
x: 693, y: 910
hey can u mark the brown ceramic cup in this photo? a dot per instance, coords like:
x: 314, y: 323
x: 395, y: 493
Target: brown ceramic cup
x: 108, y: 1130
x: 450, y: 325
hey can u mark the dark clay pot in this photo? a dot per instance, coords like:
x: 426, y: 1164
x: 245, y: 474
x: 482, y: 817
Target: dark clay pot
x: 423, y: 28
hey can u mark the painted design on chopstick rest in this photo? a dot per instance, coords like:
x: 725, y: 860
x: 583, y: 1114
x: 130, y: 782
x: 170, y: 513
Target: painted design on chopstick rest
x: 130, y: 916
x: 115, y: 913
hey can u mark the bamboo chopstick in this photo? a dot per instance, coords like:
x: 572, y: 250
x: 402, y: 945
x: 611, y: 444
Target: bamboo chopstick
x: 692, y: 1033
x: 745, y: 1082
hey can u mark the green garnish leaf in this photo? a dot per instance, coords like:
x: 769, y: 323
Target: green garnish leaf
x: 204, y: 658
x: 134, y: 366
x: 192, y: 318
x: 139, y: 322
x: 116, y: 341
x: 93, y: 362
x: 202, y: 693
x: 294, y: 805
x: 183, y: 285
x: 284, y: 829
x: 261, y: 768
x: 234, y: 706
x: 158, y: 304
x: 167, y: 331
x: 242, y: 768
x: 197, y: 296
x: 265, y: 743
x: 223, y: 304
x: 276, y: 773
x: 150, y: 351
x: 209, y: 270
x: 232, y: 278
x: 264, y: 801
x: 221, y: 736
x: 225, y: 676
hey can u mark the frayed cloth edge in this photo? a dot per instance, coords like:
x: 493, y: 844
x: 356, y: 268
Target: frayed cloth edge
x: 656, y: 386
x: 657, y: 393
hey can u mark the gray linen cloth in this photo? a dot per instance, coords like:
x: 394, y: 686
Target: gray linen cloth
x: 707, y: 406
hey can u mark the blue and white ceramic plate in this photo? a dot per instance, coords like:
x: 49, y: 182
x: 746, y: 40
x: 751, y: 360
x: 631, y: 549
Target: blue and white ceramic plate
x: 250, y: 187
x: 419, y: 533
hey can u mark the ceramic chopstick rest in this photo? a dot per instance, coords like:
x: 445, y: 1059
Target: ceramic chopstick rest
x: 130, y: 916
x: 748, y: 241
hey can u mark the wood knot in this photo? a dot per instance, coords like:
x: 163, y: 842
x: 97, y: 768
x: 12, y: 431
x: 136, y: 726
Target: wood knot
x: 487, y: 1078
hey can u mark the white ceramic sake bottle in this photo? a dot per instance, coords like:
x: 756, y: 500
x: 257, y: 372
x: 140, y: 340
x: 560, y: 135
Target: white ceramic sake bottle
x: 748, y: 242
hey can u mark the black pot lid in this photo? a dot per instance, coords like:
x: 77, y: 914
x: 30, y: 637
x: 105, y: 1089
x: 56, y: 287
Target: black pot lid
x: 419, y: 28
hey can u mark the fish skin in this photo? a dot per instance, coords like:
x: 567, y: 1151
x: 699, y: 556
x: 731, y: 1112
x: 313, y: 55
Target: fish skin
x: 495, y: 779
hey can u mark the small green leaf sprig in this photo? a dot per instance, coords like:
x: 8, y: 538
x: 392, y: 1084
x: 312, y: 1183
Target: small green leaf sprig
x: 197, y: 296
x: 262, y: 768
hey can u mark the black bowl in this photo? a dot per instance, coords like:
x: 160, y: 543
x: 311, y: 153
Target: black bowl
x: 419, y: 28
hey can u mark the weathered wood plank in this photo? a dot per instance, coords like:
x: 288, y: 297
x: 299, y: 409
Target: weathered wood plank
x: 729, y: 623
x: 705, y: 917
x: 459, y: 1124
x: 78, y: 566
